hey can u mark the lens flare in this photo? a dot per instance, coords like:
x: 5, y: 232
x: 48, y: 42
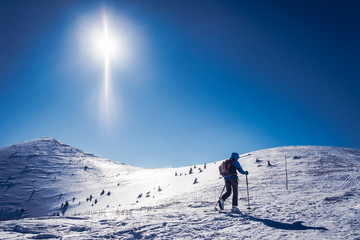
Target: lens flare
x: 105, y: 40
x: 107, y: 47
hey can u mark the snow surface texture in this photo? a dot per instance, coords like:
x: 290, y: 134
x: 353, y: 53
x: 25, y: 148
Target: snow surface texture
x: 37, y: 178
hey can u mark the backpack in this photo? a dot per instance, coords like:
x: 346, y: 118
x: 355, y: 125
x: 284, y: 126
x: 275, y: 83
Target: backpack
x: 227, y: 168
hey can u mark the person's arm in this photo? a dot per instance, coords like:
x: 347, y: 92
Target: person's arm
x: 239, y: 168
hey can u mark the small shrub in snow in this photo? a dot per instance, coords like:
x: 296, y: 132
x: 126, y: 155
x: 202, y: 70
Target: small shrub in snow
x: 65, y: 205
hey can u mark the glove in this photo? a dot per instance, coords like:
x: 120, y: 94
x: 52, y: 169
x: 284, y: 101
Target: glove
x: 246, y: 172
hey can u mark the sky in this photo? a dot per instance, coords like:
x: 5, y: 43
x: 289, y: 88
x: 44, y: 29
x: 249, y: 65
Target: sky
x: 190, y: 81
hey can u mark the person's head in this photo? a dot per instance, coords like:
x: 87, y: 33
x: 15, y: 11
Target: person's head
x: 234, y: 156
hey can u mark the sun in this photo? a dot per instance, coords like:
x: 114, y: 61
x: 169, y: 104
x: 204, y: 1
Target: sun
x: 106, y: 40
x: 106, y: 43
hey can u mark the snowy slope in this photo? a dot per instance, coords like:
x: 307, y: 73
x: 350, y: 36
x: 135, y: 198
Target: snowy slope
x: 40, y: 175
x: 322, y: 201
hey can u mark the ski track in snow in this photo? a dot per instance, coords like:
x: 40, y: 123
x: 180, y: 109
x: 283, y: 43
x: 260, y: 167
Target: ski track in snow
x: 322, y: 201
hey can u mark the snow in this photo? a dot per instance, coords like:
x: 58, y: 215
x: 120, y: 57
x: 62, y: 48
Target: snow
x: 38, y: 176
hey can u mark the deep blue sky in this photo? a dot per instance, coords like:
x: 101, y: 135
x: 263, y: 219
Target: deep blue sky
x: 204, y: 78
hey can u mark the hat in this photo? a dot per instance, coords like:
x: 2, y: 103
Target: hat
x: 234, y: 156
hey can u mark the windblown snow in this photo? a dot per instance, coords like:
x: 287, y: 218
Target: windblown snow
x: 51, y: 190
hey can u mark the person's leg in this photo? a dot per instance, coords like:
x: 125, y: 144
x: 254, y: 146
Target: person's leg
x: 228, y: 190
x: 234, y: 185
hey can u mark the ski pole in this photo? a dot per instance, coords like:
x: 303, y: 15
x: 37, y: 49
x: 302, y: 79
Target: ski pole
x: 247, y: 187
x: 220, y: 195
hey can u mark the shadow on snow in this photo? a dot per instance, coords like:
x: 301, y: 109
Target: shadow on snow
x: 298, y: 225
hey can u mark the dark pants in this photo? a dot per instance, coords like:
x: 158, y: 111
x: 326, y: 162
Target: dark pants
x: 231, y: 183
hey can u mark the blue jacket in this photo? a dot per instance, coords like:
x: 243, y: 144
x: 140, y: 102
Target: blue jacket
x: 238, y: 167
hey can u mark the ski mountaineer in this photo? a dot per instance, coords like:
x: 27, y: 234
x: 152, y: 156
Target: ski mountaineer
x: 232, y: 182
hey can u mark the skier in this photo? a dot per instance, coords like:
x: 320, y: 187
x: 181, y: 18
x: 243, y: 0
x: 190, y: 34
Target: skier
x: 232, y: 182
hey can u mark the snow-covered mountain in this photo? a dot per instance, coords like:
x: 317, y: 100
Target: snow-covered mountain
x: 39, y: 175
x: 51, y: 190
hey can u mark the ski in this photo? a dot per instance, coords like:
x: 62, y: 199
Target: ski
x: 216, y: 209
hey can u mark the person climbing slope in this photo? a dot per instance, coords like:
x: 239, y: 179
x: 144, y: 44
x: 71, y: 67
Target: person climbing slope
x: 228, y: 171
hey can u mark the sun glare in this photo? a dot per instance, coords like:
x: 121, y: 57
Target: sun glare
x: 105, y: 42
x: 106, y: 45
